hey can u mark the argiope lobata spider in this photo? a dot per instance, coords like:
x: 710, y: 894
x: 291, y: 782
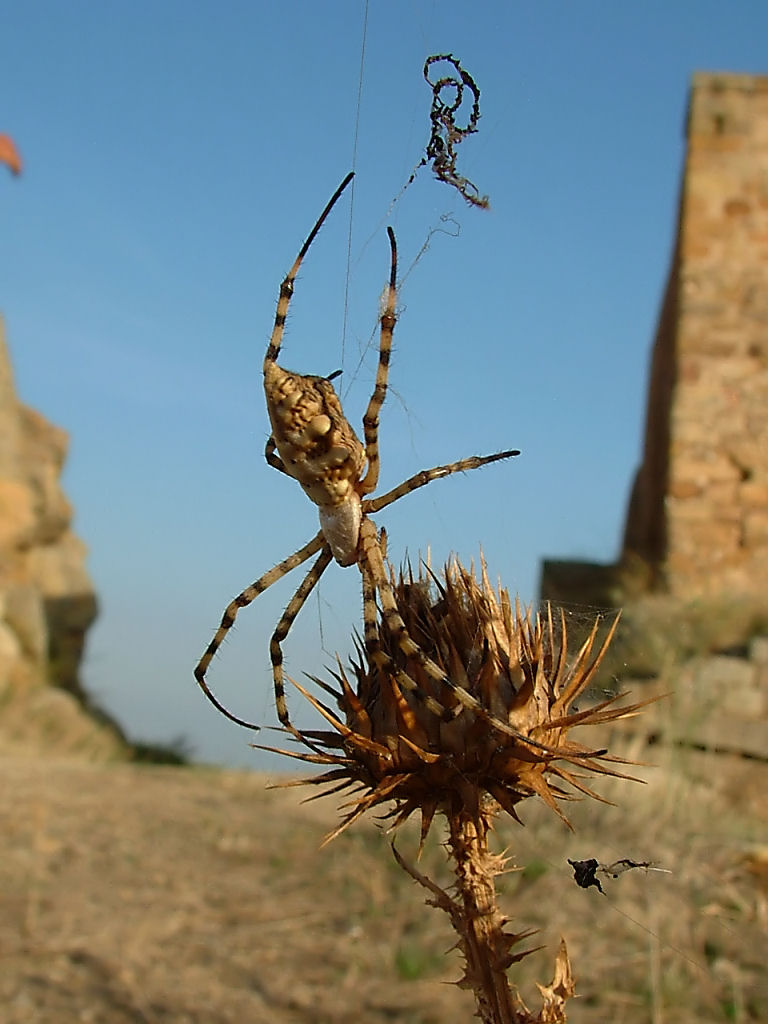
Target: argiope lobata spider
x: 312, y: 442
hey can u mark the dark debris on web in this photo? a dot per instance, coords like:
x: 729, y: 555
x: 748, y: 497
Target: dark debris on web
x: 448, y: 95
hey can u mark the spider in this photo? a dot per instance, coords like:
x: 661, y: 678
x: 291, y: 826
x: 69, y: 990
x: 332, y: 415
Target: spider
x: 313, y: 442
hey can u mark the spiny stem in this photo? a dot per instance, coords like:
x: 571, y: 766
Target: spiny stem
x: 484, y: 943
x: 475, y: 916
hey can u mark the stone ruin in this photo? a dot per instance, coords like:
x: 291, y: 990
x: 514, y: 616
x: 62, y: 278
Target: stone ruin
x: 697, y: 524
x: 694, y: 557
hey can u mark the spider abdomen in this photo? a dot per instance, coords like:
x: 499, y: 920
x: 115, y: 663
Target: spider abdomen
x: 341, y: 528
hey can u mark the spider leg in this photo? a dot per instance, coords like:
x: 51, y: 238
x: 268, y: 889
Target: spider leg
x: 281, y: 631
x: 242, y: 601
x: 274, y: 460
x: 286, y: 288
x: 426, y: 476
x: 371, y: 418
x: 372, y: 565
x: 380, y: 658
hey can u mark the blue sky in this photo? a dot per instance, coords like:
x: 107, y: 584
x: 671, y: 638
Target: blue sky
x: 176, y: 156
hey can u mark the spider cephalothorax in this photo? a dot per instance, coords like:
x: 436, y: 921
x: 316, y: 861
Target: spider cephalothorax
x: 313, y: 442
x: 317, y: 447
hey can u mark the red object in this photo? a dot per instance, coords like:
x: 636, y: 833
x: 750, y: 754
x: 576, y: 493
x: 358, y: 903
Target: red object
x: 9, y: 155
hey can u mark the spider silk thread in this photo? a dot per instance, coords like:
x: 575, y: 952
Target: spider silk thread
x: 355, y: 137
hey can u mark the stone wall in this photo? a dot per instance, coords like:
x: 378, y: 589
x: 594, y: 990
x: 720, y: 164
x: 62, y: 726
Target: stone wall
x: 47, y: 600
x: 697, y: 525
x: 699, y: 512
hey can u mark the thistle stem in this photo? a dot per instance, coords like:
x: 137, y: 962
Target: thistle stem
x: 481, y: 924
x: 476, y: 918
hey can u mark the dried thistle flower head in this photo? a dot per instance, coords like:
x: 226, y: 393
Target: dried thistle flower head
x: 393, y: 748
x: 390, y: 748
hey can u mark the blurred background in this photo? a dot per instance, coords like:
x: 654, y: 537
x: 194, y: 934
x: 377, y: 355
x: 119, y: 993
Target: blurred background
x: 176, y: 157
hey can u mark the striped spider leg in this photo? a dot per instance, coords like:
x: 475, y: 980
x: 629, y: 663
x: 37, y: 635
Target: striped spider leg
x: 313, y: 442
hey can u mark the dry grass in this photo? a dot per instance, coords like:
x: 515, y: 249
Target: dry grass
x: 665, y: 948
x: 184, y: 895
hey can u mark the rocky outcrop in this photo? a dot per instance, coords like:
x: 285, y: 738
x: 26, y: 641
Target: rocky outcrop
x: 47, y: 600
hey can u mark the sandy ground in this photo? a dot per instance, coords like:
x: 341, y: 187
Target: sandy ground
x: 159, y: 894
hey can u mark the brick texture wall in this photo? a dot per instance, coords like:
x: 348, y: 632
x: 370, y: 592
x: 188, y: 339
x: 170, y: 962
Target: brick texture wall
x: 697, y: 524
x: 699, y: 511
